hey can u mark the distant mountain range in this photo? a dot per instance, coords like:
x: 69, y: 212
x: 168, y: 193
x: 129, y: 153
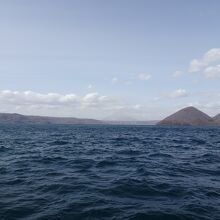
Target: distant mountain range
x: 190, y: 116
x: 8, y: 118
x: 133, y: 122
x: 14, y: 118
x: 186, y: 116
x: 217, y: 119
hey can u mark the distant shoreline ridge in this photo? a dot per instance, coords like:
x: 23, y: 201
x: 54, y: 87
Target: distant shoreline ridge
x: 186, y: 116
x: 15, y: 118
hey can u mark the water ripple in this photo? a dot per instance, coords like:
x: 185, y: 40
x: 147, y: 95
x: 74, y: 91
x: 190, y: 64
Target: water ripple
x: 109, y: 172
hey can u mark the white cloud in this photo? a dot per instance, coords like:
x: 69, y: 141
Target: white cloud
x: 114, y: 80
x: 213, y: 105
x: 137, y: 106
x: 28, y: 100
x: 155, y: 99
x: 94, y: 100
x: 179, y: 93
x: 177, y: 73
x: 144, y: 76
x: 90, y: 86
x: 207, y: 63
x: 29, y: 97
x: 212, y: 71
x: 91, y: 105
x: 195, y: 66
x: 128, y: 83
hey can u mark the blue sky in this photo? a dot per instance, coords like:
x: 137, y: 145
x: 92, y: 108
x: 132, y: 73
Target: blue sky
x: 124, y: 59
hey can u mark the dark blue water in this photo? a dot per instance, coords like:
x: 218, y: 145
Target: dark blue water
x: 109, y: 172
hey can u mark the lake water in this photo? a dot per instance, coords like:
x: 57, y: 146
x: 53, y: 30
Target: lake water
x: 109, y: 172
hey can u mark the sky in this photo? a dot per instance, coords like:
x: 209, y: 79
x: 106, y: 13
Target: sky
x: 113, y: 60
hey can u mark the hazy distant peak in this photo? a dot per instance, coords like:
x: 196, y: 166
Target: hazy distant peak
x: 217, y: 118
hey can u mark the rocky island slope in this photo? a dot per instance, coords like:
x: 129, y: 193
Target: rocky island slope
x: 190, y: 116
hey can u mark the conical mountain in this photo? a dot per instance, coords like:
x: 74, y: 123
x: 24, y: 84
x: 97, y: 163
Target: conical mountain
x: 187, y: 116
x: 216, y: 119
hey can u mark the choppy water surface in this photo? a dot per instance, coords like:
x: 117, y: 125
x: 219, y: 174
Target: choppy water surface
x: 109, y: 172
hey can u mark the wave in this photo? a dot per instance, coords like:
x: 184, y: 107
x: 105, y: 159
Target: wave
x: 109, y: 172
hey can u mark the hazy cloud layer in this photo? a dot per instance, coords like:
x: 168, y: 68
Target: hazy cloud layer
x: 179, y: 93
x: 91, y: 105
x: 144, y: 76
x: 176, y: 94
x: 94, y: 105
x: 53, y: 99
x: 177, y: 74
